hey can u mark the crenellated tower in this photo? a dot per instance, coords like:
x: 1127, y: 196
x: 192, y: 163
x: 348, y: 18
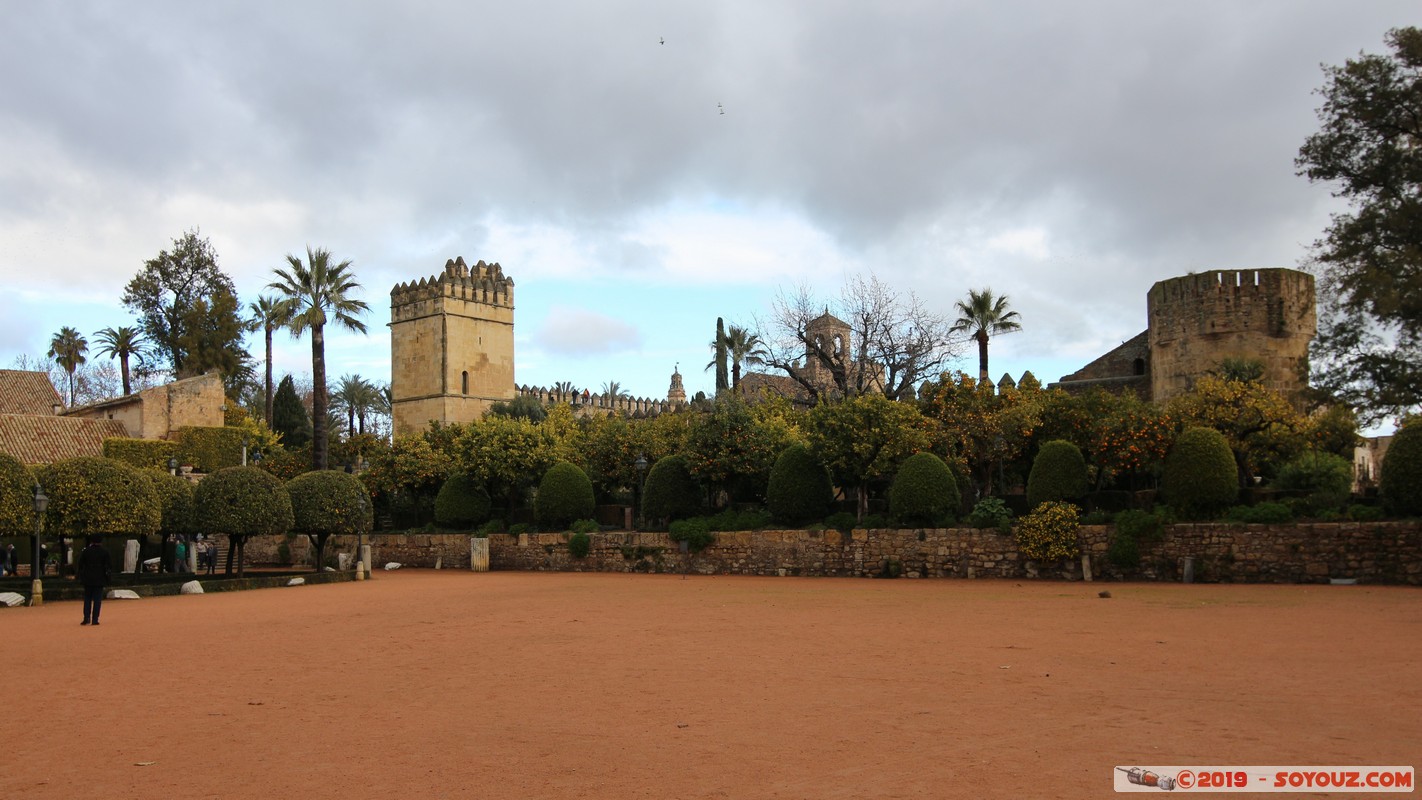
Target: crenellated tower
x: 1197, y: 321
x: 451, y: 345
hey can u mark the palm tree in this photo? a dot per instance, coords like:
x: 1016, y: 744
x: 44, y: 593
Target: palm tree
x: 984, y: 315
x: 564, y: 389
x: 319, y: 293
x: 743, y: 347
x: 121, y: 343
x: 357, y: 396
x: 269, y: 314
x: 67, y: 348
x: 613, y: 391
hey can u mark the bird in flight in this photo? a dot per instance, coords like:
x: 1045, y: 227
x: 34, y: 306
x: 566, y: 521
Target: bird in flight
x: 721, y: 108
x: 661, y: 40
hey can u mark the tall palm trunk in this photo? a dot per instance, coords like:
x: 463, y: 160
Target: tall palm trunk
x: 268, y: 329
x: 318, y: 397
x: 982, y: 338
x: 123, y: 367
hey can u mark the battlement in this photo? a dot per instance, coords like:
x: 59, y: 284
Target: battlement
x: 587, y: 403
x: 1273, y: 301
x: 482, y: 283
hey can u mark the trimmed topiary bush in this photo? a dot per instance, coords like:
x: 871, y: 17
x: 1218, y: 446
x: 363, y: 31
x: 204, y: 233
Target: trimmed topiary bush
x: 175, y: 497
x: 141, y: 453
x: 1049, y: 533
x: 327, y: 503
x: 1325, y: 478
x: 1058, y: 473
x: 1201, y: 479
x: 923, y: 492
x: 1401, y: 482
x: 242, y: 502
x: 90, y: 495
x: 695, y: 532
x: 671, y: 493
x: 564, y: 495
x: 461, y: 503
x: 799, y: 491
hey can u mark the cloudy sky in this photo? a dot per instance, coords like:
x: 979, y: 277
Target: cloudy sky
x: 1066, y: 154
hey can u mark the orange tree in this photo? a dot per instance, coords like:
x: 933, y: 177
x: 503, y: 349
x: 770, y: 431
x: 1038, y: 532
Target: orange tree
x: 1129, y: 441
x: 863, y: 439
x: 730, y: 450
x: 1262, y: 428
x: 975, y: 426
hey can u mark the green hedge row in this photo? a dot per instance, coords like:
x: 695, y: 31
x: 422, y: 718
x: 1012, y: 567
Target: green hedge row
x: 141, y: 453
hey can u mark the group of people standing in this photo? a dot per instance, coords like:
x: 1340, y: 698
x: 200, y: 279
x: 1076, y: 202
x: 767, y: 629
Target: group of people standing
x: 8, y: 564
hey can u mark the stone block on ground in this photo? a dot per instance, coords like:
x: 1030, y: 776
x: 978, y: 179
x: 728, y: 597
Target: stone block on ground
x: 296, y: 582
x: 122, y: 594
x: 191, y: 587
x: 11, y: 599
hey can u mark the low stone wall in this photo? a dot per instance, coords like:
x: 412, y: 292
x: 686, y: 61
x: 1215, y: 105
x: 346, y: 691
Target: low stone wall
x: 1377, y: 552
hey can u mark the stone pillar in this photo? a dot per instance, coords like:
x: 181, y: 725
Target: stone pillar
x: 478, y: 554
x: 1189, y: 569
x: 1086, y: 567
x: 192, y: 558
x: 130, y: 555
x: 365, y: 557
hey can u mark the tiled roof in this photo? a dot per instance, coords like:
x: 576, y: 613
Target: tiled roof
x: 35, y: 439
x: 23, y: 392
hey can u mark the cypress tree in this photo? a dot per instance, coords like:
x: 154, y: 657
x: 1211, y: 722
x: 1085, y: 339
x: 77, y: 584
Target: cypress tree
x: 289, y: 417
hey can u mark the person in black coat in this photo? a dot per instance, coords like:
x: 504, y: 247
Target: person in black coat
x: 93, y: 568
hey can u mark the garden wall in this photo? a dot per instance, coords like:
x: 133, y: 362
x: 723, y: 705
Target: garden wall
x: 1373, y: 552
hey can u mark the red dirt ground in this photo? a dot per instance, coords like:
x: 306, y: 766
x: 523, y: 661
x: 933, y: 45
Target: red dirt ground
x: 423, y: 684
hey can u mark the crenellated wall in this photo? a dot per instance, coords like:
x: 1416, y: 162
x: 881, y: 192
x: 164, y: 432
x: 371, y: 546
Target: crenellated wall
x: 1197, y: 321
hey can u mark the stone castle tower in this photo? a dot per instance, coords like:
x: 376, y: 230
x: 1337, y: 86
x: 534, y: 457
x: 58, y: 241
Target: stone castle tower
x: 451, y: 345
x: 1197, y: 321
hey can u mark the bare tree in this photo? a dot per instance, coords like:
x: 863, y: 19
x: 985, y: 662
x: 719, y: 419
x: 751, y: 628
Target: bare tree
x: 893, y: 341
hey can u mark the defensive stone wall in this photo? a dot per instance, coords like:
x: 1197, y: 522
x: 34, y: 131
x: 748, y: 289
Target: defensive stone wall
x: 1376, y: 552
x: 1197, y: 321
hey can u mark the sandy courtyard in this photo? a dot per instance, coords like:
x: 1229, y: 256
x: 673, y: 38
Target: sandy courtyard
x: 423, y: 684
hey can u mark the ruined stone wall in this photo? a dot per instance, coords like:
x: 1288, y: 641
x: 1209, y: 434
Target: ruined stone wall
x: 1380, y: 552
x: 451, y: 345
x: 1196, y: 321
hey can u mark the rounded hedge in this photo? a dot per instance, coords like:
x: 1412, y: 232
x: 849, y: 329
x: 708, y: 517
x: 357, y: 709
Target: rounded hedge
x: 329, y: 502
x: 1050, y: 532
x: 461, y: 503
x: 799, y: 489
x: 242, y: 501
x: 175, y: 497
x: 564, y: 496
x: 89, y: 495
x: 671, y: 493
x: 1401, y: 482
x: 1058, y: 473
x: 17, y: 508
x: 1201, y: 478
x: 924, y: 492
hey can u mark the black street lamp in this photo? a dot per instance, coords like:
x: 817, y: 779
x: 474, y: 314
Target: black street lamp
x: 36, y: 565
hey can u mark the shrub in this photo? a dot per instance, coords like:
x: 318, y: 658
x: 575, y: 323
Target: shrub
x: 732, y: 520
x: 210, y: 449
x: 585, y: 526
x: 1200, y: 478
x: 90, y: 495
x: 1097, y: 518
x: 492, y: 526
x: 564, y: 495
x: 695, y: 532
x: 1361, y: 513
x: 242, y: 502
x: 1132, y: 528
x: 1401, y: 481
x: 923, y: 492
x: 17, y: 510
x: 671, y: 493
x: 799, y: 489
x: 991, y: 512
x: 1325, y: 479
x: 461, y: 503
x: 1261, y: 514
x: 1058, y: 473
x: 141, y: 453
x: 519, y: 528
x: 842, y: 521
x: 579, y: 544
x: 175, y: 499
x: 1049, y: 533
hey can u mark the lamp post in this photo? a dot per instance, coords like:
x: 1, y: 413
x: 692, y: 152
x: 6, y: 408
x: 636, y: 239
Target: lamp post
x: 36, y: 565
x: 360, y: 538
x: 641, y: 465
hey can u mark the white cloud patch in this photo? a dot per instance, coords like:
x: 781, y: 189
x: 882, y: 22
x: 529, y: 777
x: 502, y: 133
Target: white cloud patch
x: 571, y: 331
